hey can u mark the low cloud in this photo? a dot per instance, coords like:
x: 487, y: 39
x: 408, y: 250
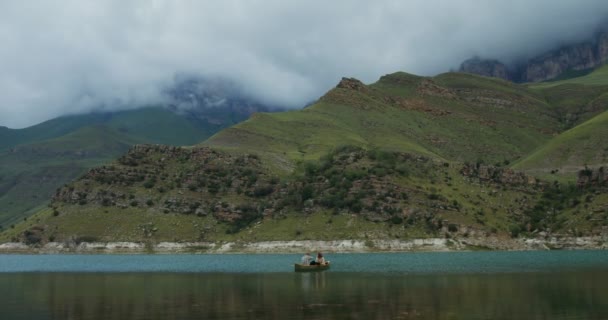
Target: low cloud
x: 60, y: 57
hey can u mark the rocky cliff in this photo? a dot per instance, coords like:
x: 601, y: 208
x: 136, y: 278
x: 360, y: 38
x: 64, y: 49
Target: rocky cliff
x: 550, y: 65
x: 487, y: 68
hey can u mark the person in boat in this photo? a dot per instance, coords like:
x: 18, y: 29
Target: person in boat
x: 306, y: 259
x: 320, y: 260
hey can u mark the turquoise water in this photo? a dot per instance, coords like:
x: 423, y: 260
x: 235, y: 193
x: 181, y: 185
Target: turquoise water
x: 467, y: 285
x: 448, y: 262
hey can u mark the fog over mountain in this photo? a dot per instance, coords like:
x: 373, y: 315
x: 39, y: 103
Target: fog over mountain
x: 60, y: 57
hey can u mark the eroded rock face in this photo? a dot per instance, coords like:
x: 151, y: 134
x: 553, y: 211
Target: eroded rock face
x: 497, y: 175
x: 589, y: 177
x: 430, y: 88
x: 487, y: 68
x: 352, y: 84
x: 550, y: 65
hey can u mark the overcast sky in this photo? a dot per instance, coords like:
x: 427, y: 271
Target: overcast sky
x: 60, y: 57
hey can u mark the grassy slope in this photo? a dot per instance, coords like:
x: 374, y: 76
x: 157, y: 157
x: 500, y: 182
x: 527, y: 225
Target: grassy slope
x: 570, y: 151
x: 452, y: 117
x: 62, y: 149
x: 581, y: 104
x: 146, y: 124
x: 394, y: 114
x: 113, y: 223
x: 47, y: 130
x: 596, y: 78
x: 435, y: 192
x: 30, y: 174
x: 157, y: 125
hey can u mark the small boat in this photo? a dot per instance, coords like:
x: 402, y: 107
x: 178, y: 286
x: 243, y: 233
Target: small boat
x: 315, y: 267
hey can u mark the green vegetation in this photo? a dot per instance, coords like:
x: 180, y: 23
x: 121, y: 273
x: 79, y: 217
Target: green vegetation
x: 599, y: 77
x: 459, y: 121
x: 405, y: 157
x: 157, y: 193
x: 570, y: 151
x: 35, y: 161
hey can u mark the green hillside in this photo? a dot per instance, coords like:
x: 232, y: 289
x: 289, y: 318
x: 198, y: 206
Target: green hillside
x: 35, y: 161
x: 157, y: 193
x: 599, y: 77
x: 405, y: 157
x: 452, y: 116
x: 47, y: 130
x: 572, y: 150
x: 576, y: 100
x: 29, y: 174
x: 158, y: 125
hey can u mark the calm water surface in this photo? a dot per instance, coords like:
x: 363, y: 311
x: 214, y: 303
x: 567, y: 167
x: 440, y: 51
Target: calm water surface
x: 468, y: 285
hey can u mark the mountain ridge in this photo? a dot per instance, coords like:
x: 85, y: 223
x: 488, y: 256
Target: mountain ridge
x: 405, y: 157
x: 72, y: 144
x: 568, y: 60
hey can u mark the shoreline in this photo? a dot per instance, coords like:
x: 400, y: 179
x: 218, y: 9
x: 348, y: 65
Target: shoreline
x: 329, y: 246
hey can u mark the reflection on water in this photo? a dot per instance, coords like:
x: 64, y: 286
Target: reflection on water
x: 325, y: 295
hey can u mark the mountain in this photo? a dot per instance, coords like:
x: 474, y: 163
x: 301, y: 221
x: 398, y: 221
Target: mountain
x: 46, y: 130
x: 216, y: 101
x: 30, y: 172
x: 488, y: 68
x: 405, y: 157
x: 34, y: 161
x: 585, y: 127
x: 571, y: 151
x: 452, y: 116
x: 563, y: 62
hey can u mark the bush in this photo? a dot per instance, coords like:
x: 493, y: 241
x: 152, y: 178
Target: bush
x: 307, y: 192
x: 262, y: 191
x: 213, y: 188
x: 403, y: 170
x: 515, y: 230
x: 274, y: 180
x: 452, y: 227
x: 356, y: 206
x: 397, y: 220
x: 81, y: 239
x: 252, y: 178
x: 32, y: 237
x: 248, y: 215
x: 311, y: 168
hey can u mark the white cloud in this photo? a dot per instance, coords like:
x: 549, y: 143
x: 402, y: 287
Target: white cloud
x: 59, y: 57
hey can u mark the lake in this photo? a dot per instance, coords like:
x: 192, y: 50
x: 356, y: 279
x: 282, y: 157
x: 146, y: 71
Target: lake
x: 460, y: 285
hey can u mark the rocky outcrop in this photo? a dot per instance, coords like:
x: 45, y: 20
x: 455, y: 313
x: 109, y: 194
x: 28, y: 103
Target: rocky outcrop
x: 352, y: 84
x: 211, y: 99
x: 554, y: 63
x: 592, y: 177
x: 550, y: 65
x: 428, y: 87
x: 330, y: 246
x: 487, y: 68
x: 498, y: 175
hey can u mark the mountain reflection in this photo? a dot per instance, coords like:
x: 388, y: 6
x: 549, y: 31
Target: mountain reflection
x: 326, y: 295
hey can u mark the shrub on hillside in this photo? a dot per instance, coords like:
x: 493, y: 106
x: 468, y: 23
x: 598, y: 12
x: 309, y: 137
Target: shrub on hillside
x: 262, y: 191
